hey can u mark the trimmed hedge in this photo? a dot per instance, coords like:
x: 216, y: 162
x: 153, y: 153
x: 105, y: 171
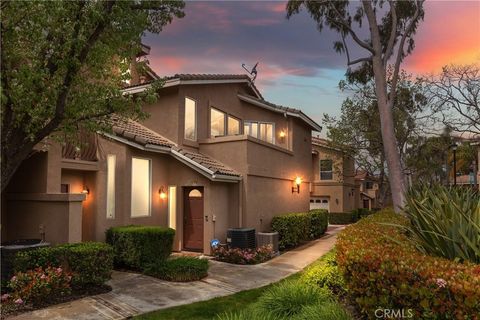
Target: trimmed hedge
x: 136, y: 246
x: 343, y: 217
x: 91, y: 263
x: 383, y: 269
x: 293, y: 228
x: 180, y: 269
x: 325, y: 274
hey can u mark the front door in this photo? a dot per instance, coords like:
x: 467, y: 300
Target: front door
x: 193, y: 219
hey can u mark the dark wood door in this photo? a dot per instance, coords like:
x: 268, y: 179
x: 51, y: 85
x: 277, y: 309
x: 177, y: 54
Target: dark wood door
x: 193, y: 219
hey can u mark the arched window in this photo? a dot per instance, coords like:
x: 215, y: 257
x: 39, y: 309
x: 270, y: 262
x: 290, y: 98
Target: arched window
x: 195, y: 194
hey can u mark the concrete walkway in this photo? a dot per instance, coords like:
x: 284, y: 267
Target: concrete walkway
x: 134, y: 294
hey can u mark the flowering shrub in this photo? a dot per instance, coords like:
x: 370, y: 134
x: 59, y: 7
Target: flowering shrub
x: 38, y: 285
x: 244, y: 256
x: 383, y: 269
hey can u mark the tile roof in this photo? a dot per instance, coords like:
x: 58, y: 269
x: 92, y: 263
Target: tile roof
x: 135, y: 132
x: 206, y: 76
x: 320, y: 141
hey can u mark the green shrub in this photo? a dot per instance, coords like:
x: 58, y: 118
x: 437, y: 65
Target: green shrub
x: 325, y: 274
x: 292, y: 228
x: 362, y: 212
x: 91, y: 263
x: 318, y: 222
x: 382, y: 268
x: 244, y: 256
x: 136, y: 246
x: 324, y: 311
x: 179, y: 269
x: 343, y: 217
x: 288, y: 298
x: 445, y: 222
x: 244, y: 315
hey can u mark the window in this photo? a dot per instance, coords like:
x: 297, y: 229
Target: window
x: 141, y: 187
x: 217, y: 123
x: 64, y: 188
x: 111, y: 160
x: 233, y: 126
x: 261, y: 130
x: 172, y: 207
x: 190, y: 119
x: 326, y: 170
x: 369, y: 184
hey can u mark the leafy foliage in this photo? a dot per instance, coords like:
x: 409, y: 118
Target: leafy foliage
x: 63, y: 67
x: 324, y: 311
x: 244, y: 256
x: 137, y: 246
x: 381, y: 267
x: 325, y: 274
x: 90, y: 263
x: 179, y: 269
x: 445, y: 222
x: 343, y: 217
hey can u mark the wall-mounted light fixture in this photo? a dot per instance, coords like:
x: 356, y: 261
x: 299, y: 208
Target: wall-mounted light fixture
x: 86, y: 190
x: 296, y: 185
x: 162, y: 193
x: 283, y: 134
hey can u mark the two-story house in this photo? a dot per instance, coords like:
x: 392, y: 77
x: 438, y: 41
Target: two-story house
x: 369, y: 190
x: 212, y: 155
x: 333, y: 186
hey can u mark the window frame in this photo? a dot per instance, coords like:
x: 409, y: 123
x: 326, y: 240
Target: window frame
x: 325, y: 171
x: 239, y: 125
x: 114, y: 156
x: 250, y: 122
x: 195, y: 131
x: 172, y: 205
x: 150, y: 188
x: 225, y: 129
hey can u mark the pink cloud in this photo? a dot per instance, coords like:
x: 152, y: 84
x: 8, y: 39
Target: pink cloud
x: 260, y: 22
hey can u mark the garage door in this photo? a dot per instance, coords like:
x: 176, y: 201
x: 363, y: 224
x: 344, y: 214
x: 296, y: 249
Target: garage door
x: 320, y: 203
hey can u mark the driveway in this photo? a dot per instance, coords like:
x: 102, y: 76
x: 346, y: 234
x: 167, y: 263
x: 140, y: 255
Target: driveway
x: 134, y: 294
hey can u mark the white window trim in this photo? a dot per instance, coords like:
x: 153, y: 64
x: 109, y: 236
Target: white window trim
x: 114, y: 185
x: 249, y: 122
x: 150, y: 190
x: 185, y: 114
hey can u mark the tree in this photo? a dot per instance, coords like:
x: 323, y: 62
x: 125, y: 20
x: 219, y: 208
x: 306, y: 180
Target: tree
x: 455, y: 95
x: 390, y: 38
x: 358, y: 128
x: 63, y: 63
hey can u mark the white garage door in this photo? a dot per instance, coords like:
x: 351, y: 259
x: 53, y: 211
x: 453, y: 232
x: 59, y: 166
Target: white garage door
x: 320, y: 203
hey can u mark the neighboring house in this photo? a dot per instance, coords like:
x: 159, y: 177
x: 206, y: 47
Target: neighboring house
x: 369, y: 190
x: 333, y: 187
x: 212, y: 155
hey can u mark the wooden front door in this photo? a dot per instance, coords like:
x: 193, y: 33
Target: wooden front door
x: 193, y: 218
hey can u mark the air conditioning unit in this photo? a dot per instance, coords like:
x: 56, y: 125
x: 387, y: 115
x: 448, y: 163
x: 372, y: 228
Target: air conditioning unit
x: 242, y: 238
x: 268, y: 238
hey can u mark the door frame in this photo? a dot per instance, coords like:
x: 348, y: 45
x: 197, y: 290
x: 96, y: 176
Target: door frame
x: 186, y: 190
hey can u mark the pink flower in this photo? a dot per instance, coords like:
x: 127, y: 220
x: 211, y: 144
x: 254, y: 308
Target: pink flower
x: 13, y: 278
x: 43, y: 276
x: 59, y: 270
x: 5, y: 297
x: 441, y: 283
x: 19, y: 301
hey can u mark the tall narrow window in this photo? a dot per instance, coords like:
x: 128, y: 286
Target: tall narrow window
x: 233, y: 126
x: 172, y: 207
x: 326, y: 169
x: 217, y: 123
x: 190, y: 119
x: 141, y: 187
x: 111, y: 162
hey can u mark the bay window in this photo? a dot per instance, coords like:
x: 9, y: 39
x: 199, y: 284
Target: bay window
x: 217, y: 123
x: 261, y: 130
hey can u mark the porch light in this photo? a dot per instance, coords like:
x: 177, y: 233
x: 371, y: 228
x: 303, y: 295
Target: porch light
x: 86, y: 190
x: 296, y: 185
x: 162, y: 193
x: 283, y: 134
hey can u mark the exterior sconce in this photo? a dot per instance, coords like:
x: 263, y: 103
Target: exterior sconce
x: 283, y: 134
x: 86, y: 190
x: 162, y: 193
x: 296, y: 185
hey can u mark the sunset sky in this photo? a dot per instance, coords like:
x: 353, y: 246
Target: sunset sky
x: 297, y: 65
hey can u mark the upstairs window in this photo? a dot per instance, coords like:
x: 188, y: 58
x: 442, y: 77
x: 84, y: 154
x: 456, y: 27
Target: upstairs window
x: 190, y: 119
x: 261, y: 130
x: 326, y: 172
x: 217, y: 123
x: 369, y: 185
x: 233, y: 126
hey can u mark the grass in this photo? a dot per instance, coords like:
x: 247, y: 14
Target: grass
x: 210, y: 309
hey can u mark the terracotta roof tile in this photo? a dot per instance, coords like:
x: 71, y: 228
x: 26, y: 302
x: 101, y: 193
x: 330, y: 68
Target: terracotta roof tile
x: 213, y: 165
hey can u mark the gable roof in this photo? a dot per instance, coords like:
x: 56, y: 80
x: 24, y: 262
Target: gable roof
x: 260, y: 102
x: 136, y: 135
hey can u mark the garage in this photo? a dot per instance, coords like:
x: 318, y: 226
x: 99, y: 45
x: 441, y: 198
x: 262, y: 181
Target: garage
x: 320, y: 203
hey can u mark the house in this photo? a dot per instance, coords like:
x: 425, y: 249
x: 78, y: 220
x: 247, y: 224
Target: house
x: 333, y: 186
x: 368, y: 190
x: 212, y: 155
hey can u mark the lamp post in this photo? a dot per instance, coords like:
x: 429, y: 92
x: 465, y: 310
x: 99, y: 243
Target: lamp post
x: 454, y: 148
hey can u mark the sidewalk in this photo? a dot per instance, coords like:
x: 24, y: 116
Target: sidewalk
x: 133, y: 294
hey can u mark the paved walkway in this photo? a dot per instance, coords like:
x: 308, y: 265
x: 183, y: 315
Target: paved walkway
x: 134, y: 294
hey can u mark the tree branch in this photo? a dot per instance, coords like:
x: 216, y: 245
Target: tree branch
x: 393, y: 33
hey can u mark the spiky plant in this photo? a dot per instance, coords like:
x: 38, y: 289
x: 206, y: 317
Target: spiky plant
x: 445, y: 221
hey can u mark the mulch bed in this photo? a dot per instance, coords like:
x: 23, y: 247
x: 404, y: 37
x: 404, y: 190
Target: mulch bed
x: 75, y: 295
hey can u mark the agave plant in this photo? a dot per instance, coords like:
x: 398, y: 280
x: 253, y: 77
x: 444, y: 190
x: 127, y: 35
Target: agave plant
x: 445, y: 221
